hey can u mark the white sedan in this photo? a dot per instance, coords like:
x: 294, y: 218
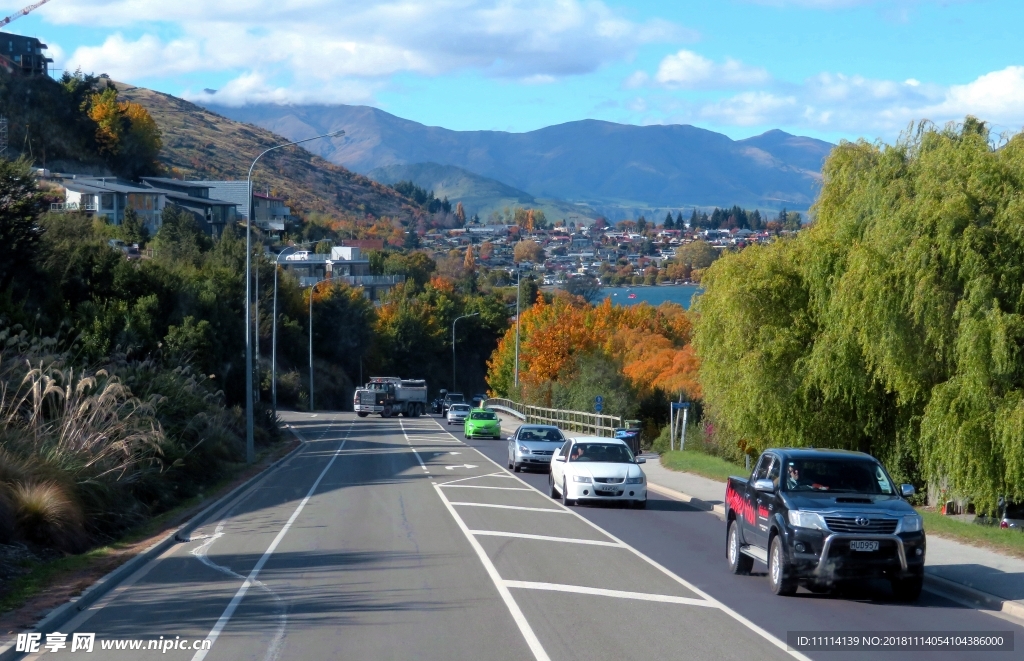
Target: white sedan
x: 592, y: 468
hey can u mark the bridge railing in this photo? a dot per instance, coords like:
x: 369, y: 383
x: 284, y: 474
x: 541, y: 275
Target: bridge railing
x: 583, y: 422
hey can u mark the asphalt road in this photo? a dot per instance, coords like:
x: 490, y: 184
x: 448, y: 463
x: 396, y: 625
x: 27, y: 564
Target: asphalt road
x: 393, y: 539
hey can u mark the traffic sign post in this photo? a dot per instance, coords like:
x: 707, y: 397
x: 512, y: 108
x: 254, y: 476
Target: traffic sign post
x: 599, y: 403
x: 673, y: 418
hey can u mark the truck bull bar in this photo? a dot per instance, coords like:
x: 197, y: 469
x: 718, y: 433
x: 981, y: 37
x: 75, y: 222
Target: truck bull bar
x: 842, y: 536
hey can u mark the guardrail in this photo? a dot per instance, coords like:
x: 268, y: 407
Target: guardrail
x: 575, y: 421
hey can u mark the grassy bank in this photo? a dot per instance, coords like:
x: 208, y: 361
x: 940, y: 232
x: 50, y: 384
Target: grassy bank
x: 702, y: 464
x: 1010, y: 542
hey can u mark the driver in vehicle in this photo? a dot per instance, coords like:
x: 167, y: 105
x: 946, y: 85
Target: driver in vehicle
x: 577, y: 452
x: 793, y: 477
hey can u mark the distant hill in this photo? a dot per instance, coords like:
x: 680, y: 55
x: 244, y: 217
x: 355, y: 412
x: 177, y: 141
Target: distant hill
x: 479, y: 195
x: 605, y: 165
x: 200, y: 144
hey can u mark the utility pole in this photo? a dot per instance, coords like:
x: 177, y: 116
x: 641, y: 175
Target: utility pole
x: 465, y: 316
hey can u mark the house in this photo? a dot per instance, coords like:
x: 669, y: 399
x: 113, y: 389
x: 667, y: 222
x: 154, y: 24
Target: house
x: 270, y: 212
x: 110, y: 197
x: 23, y: 55
x: 212, y: 214
x: 344, y: 264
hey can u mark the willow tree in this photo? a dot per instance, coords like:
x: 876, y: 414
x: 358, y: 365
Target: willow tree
x: 895, y: 323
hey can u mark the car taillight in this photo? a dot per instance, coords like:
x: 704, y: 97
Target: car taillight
x: 1004, y: 524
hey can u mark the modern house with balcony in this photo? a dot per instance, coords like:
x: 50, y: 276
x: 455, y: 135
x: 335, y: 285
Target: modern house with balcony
x: 213, y: 214
x: 344, y: 264
x: 23, y: 55
x: 271, y: 214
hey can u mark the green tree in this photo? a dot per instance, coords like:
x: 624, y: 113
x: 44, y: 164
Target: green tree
x: 180, y: 239
x: 21, y: 203
x: 133, y: 230
x: 669, y: 223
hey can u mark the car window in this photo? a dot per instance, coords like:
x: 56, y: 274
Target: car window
x: 483, y: 416
x: 775, y: 471
x: 761, y: 470
x: 564, y: 452
x: 1015, y: 511
x: 615, y: 453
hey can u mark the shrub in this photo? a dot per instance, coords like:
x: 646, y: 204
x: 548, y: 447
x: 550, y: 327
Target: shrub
x: 47, y: 515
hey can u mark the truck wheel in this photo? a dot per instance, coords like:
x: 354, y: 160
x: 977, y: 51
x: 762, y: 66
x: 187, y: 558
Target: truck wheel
x: 386, y: 413
x: 907, y: 589
x: 416, y: 411
x: 738, y: 562
x: 779, y: 576
x: 362, y: 414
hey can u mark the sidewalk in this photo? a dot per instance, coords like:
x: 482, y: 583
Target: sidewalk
x: 968, y: 574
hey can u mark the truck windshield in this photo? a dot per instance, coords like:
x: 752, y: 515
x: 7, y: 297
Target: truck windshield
x: 836, y: 476
x: 455, y: 397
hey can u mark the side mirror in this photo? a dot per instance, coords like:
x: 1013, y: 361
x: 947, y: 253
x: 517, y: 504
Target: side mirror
x: 508, y: 438
x: 641, y: 460
x: 765, y: 486
x: 559, y: 458
x: 907, y: 490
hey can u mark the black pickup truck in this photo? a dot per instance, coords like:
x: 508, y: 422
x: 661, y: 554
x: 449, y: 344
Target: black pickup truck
x: 819, y: 517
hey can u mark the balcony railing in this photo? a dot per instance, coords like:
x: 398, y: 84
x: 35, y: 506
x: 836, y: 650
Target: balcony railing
x: 71, y: 206
x: 370, y: 280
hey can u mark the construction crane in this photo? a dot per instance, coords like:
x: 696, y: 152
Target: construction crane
x: 18, y: 14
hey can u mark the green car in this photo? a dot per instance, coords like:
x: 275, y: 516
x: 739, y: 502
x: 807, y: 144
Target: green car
x: 483, y: 422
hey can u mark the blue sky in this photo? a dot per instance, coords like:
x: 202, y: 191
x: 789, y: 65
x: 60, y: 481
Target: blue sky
x: 827, y: 68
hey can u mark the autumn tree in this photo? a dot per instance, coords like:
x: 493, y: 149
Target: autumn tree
x: 698, y: 254
x: 460, y: 214
x: 528, y: 251
x: 470, y: 264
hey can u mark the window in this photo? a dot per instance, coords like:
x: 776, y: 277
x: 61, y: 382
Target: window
x: 773, y: 473
x: 761, y: 470
x: 107, y: 201
x: 564, y: 452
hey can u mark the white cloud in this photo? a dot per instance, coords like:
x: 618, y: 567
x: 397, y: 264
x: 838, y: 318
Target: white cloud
x: 312, y: 46
x: 688, y: 70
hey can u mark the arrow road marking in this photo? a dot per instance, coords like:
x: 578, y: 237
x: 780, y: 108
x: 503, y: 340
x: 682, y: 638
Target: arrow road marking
x: 462, y: 466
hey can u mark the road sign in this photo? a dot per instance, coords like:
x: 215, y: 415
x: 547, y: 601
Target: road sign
x: 599, y: 400
x: 598, y: 407
x: 680, y: 405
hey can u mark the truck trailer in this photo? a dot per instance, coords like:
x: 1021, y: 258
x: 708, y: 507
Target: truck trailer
x: 389, y: 396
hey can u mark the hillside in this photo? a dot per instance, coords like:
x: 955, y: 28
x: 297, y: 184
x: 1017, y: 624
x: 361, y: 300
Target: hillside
x: 479, y: 195
x: 200, y: 144
x: 605, y: 165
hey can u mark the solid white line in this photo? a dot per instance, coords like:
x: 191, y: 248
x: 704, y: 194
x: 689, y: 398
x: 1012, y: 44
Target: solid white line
x: 251, y: 579
x: 477, y: 477
x: 524, y: 626
x: 544, y: 538
x: 689, y: 586
x: 514, y: 507
x: 477, y: 486
x: 601, y: 592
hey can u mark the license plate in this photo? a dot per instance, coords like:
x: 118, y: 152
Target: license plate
x: 862, y: 545
x: 605, y: 488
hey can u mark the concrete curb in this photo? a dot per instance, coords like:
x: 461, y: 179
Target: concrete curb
x: 718, y: 510
x: 958, y: 592
x: 56, y: 618
x: 969, y: 596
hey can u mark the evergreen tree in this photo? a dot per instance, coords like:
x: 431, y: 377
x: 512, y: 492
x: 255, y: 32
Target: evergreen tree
x: 694, y: 219
x: 132, y: 228
x: 669, y: 224
x: 641, y: 225
x: 679, y: 220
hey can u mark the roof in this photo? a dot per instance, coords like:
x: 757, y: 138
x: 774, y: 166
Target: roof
x: 598, y: 439
x: 177, y: 182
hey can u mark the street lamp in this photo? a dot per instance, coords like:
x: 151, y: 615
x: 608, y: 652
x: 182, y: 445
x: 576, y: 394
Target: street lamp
x: 250, y: 448
x: 311, y: 339
x: 518, y: 290
x: 465, y: 316
x: 273, y: 340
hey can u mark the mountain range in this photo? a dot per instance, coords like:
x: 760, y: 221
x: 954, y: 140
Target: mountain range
x: 589, y: 165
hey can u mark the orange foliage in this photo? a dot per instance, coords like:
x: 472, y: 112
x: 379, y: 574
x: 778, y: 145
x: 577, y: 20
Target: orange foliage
x: 441, y: 283
x: 651, y: 344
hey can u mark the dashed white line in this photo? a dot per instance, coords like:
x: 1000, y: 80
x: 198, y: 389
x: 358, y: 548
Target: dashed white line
x: 544, y: 538
x: 619, y: 594
x: 550, y: 510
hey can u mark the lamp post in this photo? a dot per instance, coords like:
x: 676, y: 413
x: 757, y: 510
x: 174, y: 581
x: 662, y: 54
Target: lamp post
x: 250, y: 448
x: 465, y: 316
x: 519, y: 289
x: 273, y: 339
x: 313, y: 287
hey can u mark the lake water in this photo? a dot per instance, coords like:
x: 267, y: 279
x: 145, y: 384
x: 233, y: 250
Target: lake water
x: 681, y: 294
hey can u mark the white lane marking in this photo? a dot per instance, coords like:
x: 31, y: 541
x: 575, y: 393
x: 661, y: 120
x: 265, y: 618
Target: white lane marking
x: 454, y: 466
x: 736, y: 616
x: 524, y: 626
x: 478, y: 477
x: 544, y: 538
x: 552, y: 510
x: 251, y: 579
x: 601, y: 592
x: 454, y: 453
x: 480, y: 486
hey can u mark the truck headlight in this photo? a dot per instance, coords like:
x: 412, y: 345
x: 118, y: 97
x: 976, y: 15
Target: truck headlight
x: 912, y: 523
x: 635, y: 480
x: 581, y: 478
x: 810, y: 520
